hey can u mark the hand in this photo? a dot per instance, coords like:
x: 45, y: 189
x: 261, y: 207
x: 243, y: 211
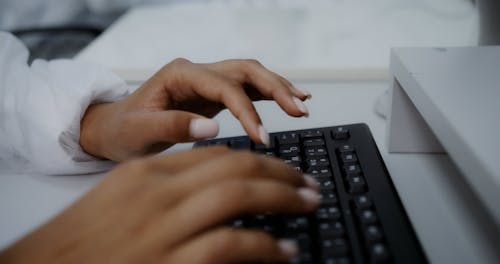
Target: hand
x: 171, y: 209
x: 173, y: 106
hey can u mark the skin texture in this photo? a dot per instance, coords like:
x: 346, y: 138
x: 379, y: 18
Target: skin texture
x: 158, y: 114
x: 170, y: 209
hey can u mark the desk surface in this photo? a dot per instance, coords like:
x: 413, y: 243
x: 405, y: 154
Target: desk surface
x: 440, y: 205
x: 437, y: 201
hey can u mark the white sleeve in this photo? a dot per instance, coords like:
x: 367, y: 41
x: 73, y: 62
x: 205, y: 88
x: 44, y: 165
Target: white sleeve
x: 41, y: 107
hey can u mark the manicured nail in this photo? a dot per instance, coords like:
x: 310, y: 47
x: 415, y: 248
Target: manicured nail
x: 264, y: 136
x: 302, y: 107
x: 310, y: 196
x: 305, y: 93
x: 311, y: 182
x: 288, y: 247
x: 202, y: 128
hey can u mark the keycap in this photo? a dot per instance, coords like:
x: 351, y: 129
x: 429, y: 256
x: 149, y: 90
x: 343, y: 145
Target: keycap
x: 373, y: 233
x: 240, y: 143
x: 346, y: 148
x: 334, y: 247
x: 352, y: 169
x: 288, y: 138
x: 367, y: 217
x: 326, y: 184
x: 311, y: 134
x: 356, y: 184
x: 349, y: 158
x: 335, y: 229
x: 319, y: 172
x: 315, y: 151
x: 340, y: 133
x: 379, y: 253
x: 266, y: 152
x: 362, y: 202
x: 313, y: 142
x: 328, y: 213
x: 291, y: 150
x: 297, y: 224
x: 317, y: 162
x: 292, y: 160
x: 328, y: 197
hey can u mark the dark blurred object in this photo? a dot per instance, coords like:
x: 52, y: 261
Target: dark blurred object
x: 56, y: 42
x: 489, y: 22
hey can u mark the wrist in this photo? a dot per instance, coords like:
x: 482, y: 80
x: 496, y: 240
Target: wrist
x: 93, y: 128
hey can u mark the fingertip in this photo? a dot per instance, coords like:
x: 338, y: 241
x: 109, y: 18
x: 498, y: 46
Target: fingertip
x: 288, y: 247
x: 264, y: 136
x: 301, y: 106
x: 203, y: 128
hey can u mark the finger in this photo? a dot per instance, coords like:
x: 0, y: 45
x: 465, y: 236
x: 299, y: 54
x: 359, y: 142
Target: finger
x: 302, y: 95
x: 173, y: 126
x: 221, y: 202
x: 232, y: 165
x: 217, y: 88
x: 229, y: 245
x: 271, y: 85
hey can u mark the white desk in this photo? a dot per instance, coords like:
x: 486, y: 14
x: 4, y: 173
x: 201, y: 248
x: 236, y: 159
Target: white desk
x: 439, y: 204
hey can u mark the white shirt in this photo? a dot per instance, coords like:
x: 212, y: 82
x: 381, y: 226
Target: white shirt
x: 41, y: 107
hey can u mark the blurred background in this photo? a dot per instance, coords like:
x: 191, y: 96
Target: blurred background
x: 283, y: 34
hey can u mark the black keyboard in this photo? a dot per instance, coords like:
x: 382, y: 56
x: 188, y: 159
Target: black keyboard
x: 360, y: 219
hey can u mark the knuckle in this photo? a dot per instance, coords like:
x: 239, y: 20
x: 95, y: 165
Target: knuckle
x: 180, y: 61
x: 247, y: 161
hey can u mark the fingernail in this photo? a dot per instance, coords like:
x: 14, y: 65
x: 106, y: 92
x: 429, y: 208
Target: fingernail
x: 311, y: 182
x: 305, y: 93
x: 264, y: 136
x: 310, y: 196
x: 202, y: 128
x: 288, y: 247
x: 302, y: 107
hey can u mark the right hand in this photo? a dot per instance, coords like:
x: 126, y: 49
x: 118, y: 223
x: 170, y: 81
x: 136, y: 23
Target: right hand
x: 171, y: 209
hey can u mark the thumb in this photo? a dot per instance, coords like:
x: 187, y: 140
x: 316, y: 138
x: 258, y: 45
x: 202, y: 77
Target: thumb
x: 175, y: 126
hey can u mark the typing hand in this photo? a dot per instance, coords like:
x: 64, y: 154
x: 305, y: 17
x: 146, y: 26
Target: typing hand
x: 174, y: 106
x: 170, y: 209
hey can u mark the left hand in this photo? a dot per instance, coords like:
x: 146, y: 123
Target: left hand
x: 175, y: 103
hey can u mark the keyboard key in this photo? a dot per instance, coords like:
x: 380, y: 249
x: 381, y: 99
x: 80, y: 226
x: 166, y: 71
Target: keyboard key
x: 349, y: 158
x: 331, y: 213
x: 356, y: 184
x: 362, y: 202
x: 346, y: 148
x: 240, y: 143
x: 311, y: 134
x: 326, y: 184
x: 373, y: 233
x: 315, y: 151
x: 302, y: 258
x: 292, y: 150
x: 297, y: 224
x: 312, y: 162
x: 367, y: 217
x: 266, y: 152
x: 340, y: 133
x: 328, y: 198
x: 352, y: 169
x: 334, y: 247
x: 293, y: 160
x: 379, y: 253
x: 319, y: 172
x: 313, y: 142
x: 288, y: 138
x: 329, y: 229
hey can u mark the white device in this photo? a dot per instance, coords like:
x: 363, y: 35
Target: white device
x: 448, y: 99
